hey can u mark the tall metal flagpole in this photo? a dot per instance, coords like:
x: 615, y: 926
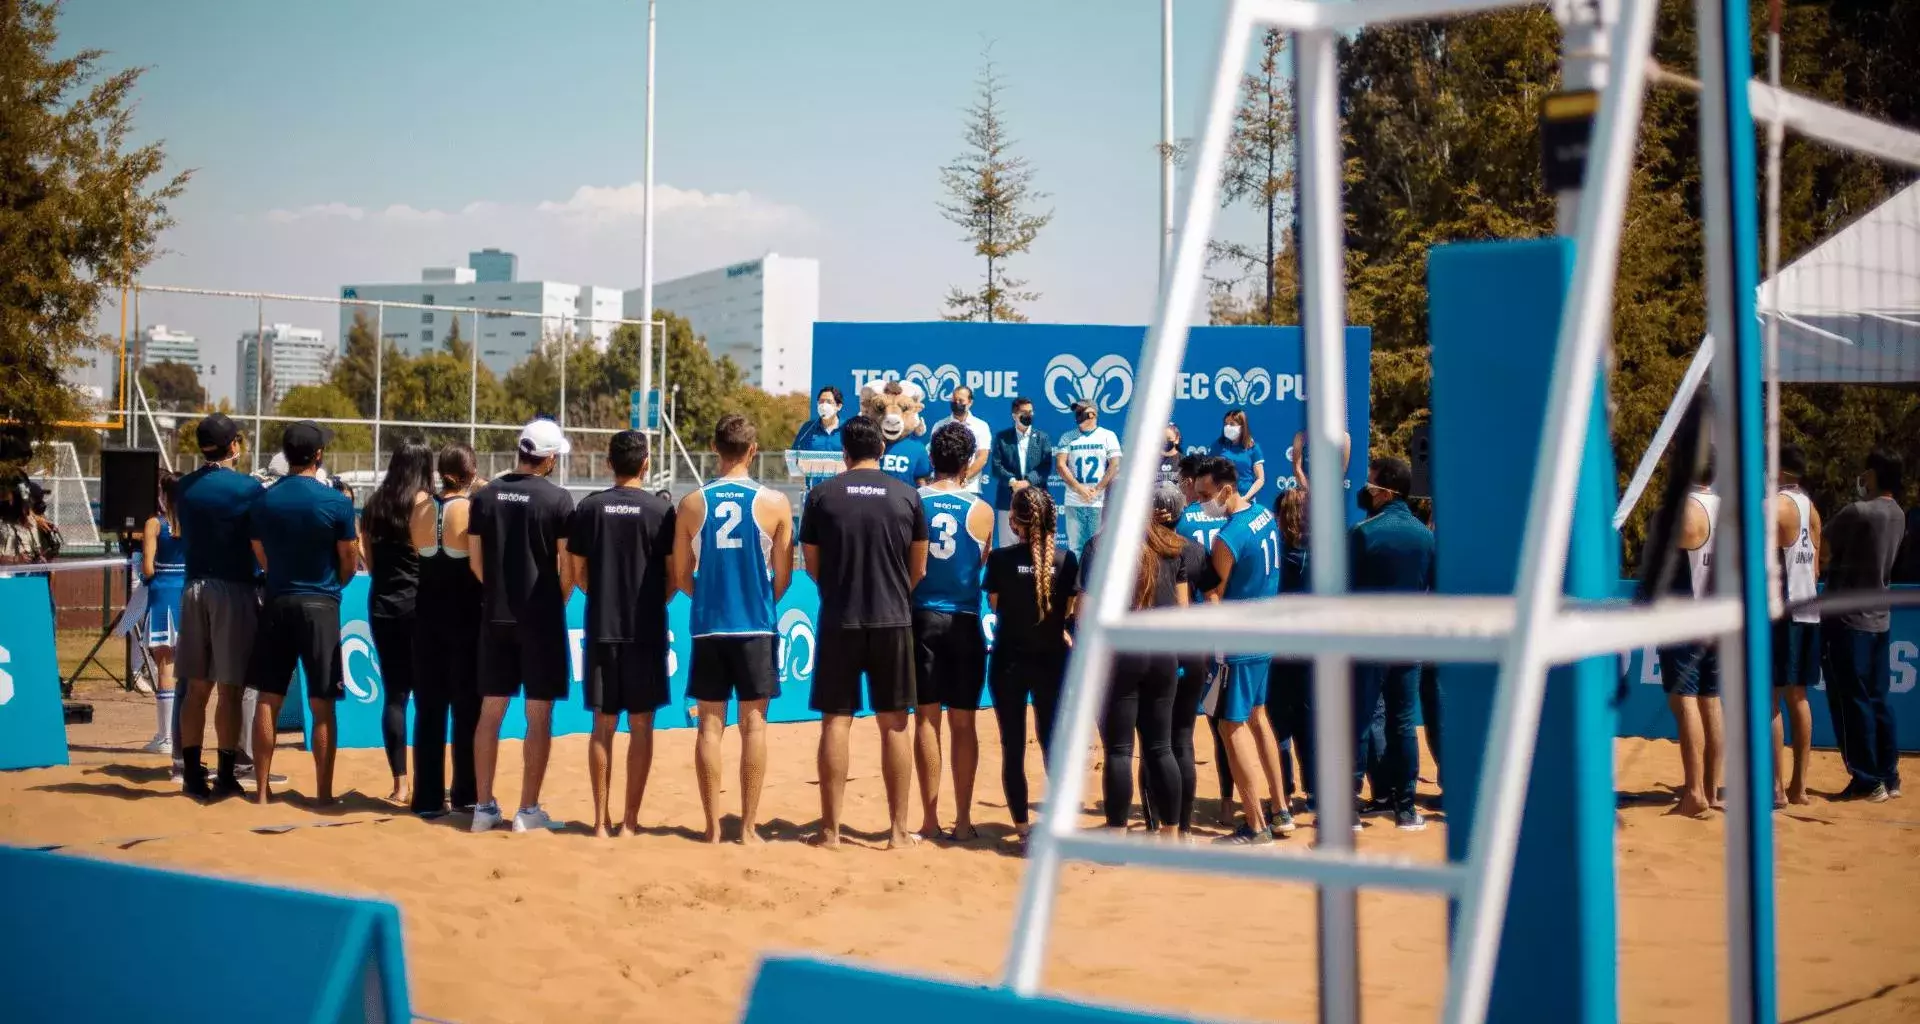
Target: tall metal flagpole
x: 1166, y: 140
x: 646, y: 239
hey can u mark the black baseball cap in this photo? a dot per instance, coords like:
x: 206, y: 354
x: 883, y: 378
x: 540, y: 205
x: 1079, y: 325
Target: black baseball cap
x: 301, y: 442
x: 215, y: 433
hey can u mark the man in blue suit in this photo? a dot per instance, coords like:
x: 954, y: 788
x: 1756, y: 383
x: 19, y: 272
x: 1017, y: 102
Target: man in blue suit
x: 1022, y: 458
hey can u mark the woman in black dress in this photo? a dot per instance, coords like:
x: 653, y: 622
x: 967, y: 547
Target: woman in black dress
x: 386, y: 546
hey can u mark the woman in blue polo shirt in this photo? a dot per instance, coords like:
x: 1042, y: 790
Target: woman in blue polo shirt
x: 1236, y: 445
x: 821, y: 434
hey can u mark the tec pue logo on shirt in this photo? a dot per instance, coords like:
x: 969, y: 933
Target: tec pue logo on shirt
x: 623, y: 510
x: 866, y: 491
x: 510, y: 496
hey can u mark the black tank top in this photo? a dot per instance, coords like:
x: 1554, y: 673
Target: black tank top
x: 396, y: 573
x: 449, y: 596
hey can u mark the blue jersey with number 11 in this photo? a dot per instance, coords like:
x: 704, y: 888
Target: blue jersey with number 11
x: 1253, y: 538
x: 954, y: 556
x: 733, y: 567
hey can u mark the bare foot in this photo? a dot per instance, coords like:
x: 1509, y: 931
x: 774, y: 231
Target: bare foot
x: 826, y: 840
x: 750, y: 836
x: 399, y: 794
x: 903, y: 840
x: 1797, y: 795
x: 630, y: 829
x: 964, y: 832
x: 602, y: 831
x: 712, y: 835
x: 1690, y: 806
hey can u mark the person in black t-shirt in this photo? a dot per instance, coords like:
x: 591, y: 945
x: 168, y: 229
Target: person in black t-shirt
x: 520, y: 524
x: 620, y: 542
x: 1031, y: 585
x: 865, y: 541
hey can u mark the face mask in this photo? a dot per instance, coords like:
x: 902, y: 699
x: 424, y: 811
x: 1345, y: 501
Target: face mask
x: 959, y: 408
x: 892, y: 423
x: 1026, y: 418
x: 827, y: 410
x: 1860, y: 487
x: 1215, y: 506
x: 1231, y: 432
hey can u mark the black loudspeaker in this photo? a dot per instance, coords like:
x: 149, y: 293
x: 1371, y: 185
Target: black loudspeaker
x: 1420, y: 452
x: 129, y: 487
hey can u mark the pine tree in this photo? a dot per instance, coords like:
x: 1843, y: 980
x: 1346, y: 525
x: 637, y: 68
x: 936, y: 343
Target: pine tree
x: 990, y: 196
x: 79, y: 210
x: 1259, y: 172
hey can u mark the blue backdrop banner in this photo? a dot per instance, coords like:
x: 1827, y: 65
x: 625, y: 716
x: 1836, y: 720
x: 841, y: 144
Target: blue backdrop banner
x: 33, y: 726
x: 1260, y: 369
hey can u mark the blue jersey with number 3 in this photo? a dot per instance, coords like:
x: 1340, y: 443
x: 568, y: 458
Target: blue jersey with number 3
x: 1253, y: 538
x: 954, y: 556
x: 733, y: 567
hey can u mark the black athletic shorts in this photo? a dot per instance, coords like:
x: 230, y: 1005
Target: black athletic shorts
x: 884, y: 655
x: 516, y: 655
x: 302, y: 630
x: 728, y: 667
x: 949, y: 659
x: 626, y: 677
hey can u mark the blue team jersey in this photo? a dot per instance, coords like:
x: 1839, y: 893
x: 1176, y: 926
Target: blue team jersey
x: 954, y: 557
x: 906, y: 461
x: 733, y: 564
x: 1253, y: 538
x: 1197, y: 526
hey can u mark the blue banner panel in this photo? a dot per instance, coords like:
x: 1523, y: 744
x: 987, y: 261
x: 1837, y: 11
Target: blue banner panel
x: 334, y: 959
x: 1260, y: 369
x: 33, y: 727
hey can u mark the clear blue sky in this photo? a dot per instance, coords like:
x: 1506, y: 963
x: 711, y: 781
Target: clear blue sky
x: 357, y: 140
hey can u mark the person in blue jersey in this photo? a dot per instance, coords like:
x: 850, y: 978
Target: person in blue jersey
x: 620, y: 546
x: 1236, y: 445
x: 1390, y: 551
x: 163, y: 570
x: 305, y: 538
x: 822, y: 433
x: 1246, y: 561
x: 1088, y: 460
x: 219, y: 607
x: 1199, y: 526
x: 906, y: 461
x: 733, y: 552
x: 949, y: 649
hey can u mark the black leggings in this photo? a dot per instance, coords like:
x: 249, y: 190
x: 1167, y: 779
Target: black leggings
x: 1140, y: 700
x: 1013, y: 677
x: 447, y: 674
x: 393, y: 643
x: 1192, y: 688
x: 1290, y: 711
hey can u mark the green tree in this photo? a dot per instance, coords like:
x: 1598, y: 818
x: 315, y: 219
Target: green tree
x: 990, y: 197
x: 361, y: 363
x: 173, y: 386
x: 323, y: 402
x: 1259, y: 173
x: 80, y: 210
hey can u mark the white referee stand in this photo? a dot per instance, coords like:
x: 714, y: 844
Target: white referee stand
x: 1525, y: 634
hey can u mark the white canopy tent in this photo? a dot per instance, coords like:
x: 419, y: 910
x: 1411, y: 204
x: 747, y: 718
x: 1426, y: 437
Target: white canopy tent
x: 1848, y: 313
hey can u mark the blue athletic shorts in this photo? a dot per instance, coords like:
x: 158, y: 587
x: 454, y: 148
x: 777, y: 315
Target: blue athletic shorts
x: 1242, y: 687
x: 1796, y: 654
x: 1690, y: 670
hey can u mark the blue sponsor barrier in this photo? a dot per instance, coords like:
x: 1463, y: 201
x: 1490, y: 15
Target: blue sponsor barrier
x: 33, y: 729
x: 796, y: 990
x: 334, y: 959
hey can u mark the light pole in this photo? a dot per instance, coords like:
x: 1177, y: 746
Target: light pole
x: 646, y: 239
x: 1166, y: 139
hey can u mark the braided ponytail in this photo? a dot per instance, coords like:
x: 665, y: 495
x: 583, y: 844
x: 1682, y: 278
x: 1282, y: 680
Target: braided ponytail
x: 1033, y: 509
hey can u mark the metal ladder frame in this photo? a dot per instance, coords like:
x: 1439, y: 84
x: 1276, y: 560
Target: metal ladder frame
x: 1525, y: 634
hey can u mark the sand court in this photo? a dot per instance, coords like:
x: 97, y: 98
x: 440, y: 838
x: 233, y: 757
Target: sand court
x: 660, y: 927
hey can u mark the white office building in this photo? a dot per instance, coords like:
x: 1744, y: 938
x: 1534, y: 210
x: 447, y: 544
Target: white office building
x: 521, y: 313
x: 161, y: 344
x: 294, y: 356
x: 760, y: 313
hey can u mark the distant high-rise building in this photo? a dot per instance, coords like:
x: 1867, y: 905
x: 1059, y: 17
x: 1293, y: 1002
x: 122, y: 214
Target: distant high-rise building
x: 760, y: 313
x: 491, y: 266
x: 294, y: 356
x: 160, y: 344
x: 523, y: 313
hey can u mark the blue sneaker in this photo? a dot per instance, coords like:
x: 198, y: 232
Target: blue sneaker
x: 1246, y: 836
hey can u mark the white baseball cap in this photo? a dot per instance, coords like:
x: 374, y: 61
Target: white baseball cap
x: 542, y: 438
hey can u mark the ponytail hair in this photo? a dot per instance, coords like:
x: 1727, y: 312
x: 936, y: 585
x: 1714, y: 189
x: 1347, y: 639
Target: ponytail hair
x: 456, y: 466
x: 1033, y: 510
x: 1162, y: 541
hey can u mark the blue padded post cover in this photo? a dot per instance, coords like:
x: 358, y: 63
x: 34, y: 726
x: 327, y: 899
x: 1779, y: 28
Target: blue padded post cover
x: 798, y: 990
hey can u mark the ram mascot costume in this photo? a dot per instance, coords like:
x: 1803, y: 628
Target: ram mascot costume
x: 895, y: 406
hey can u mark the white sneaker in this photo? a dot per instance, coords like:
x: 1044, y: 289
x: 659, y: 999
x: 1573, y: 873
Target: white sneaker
x: 486, y: 818
x: 158, y: 745
x: 531, y: 819
x: 179, y: 769
x: 141, y: 686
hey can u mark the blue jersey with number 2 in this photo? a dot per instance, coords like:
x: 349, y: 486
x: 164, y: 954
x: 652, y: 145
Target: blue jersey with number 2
x: 733, y: 570
x: 954, y: 556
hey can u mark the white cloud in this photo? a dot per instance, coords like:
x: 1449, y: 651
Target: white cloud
x: 736, y: 209
x: 316, y: 211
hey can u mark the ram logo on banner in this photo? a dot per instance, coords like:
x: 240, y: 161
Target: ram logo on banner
x: 1259, y: 369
